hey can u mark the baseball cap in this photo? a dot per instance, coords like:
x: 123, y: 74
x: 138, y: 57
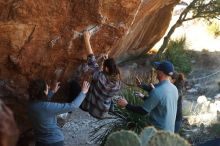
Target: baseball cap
x: 164, y: 66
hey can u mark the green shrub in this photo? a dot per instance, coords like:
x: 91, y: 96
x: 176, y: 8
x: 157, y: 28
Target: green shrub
x: 178, y: 55
x: 134, y: 121
x: 215, y: 129
x: 122, y: 119
x: 214, y: 29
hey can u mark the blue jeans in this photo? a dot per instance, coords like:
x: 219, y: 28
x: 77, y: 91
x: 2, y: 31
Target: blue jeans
x: 178, y: 125
x: 60, y: 143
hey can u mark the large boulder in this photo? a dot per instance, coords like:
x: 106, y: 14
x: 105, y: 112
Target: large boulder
x: 40, y: 37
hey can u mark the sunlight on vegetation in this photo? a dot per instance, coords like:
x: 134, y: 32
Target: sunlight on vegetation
x: 178, y: 55
x: 214, y: 29
x: 193, y: 25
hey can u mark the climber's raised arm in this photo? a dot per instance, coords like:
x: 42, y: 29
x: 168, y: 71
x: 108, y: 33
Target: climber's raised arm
x: 91, y: 60
x: 87, y: 42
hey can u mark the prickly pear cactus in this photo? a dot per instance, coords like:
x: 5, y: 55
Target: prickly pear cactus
x: 123, y: 138
x: 146, y: 134
x: 167, y: 139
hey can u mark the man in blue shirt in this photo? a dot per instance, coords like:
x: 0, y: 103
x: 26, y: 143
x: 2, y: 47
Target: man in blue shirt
x: 162, y: 101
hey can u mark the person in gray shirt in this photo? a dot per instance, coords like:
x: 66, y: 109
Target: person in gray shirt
x: 162, y: 101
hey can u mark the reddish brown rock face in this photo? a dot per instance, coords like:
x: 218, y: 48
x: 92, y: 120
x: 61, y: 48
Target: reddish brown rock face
x: 39, y: 36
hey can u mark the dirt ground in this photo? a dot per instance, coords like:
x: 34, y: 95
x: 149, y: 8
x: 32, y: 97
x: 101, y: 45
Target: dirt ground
x: 205, y: 72
x: 76, y: 130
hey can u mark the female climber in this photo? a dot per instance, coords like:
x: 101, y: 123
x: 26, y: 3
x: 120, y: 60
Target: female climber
x: 105, y: 83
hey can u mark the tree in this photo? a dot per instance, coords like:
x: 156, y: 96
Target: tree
x: 197, y: 9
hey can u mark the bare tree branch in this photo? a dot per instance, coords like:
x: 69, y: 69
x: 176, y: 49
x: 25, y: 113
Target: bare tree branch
x: 197, y: 9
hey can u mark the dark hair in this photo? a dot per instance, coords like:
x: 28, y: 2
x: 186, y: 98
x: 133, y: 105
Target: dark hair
x: 178, y: 76
x: 180, y: 79
x: 112, y: 67
x: 36, y: 89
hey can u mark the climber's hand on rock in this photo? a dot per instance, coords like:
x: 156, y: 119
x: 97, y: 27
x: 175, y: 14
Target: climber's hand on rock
x: 105, y: 55
x: 85, y: 87
x: 87, y: 35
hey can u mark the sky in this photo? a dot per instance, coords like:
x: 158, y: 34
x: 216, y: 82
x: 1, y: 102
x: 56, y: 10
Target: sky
x: 198, y: 37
